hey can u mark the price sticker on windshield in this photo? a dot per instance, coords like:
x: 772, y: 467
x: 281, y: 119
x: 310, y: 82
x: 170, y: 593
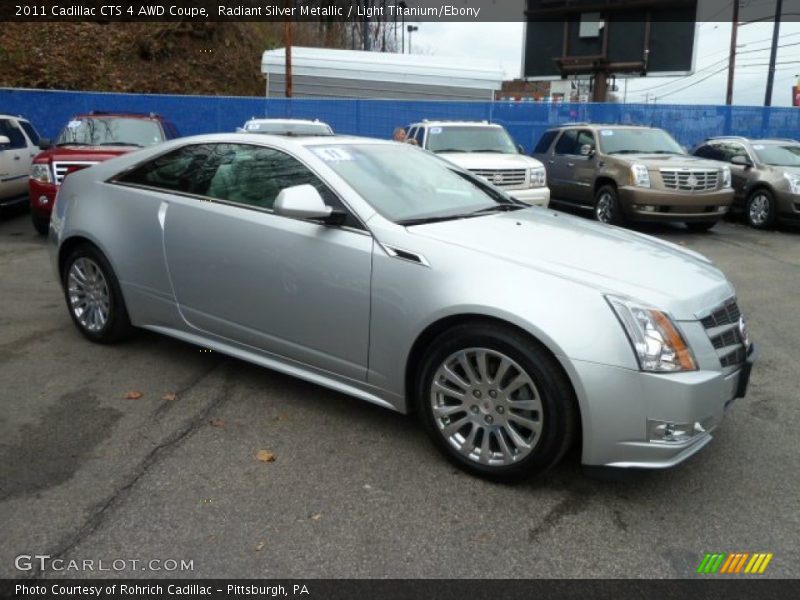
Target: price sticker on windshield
x: 758, y: 147
x: 332, y: 154
x: 606, y: 132
x: 73, y: 124
x: 436, y: 130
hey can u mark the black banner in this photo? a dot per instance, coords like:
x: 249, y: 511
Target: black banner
x: 710, y: 588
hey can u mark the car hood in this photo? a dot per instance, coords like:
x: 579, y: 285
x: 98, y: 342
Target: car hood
x: 607, y: 258
x: 675, y: 161
x: 792, y: 170
x: 85, y: 153
x: 489, y: 160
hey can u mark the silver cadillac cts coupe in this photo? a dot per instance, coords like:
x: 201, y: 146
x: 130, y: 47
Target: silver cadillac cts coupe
x: 381, y: 271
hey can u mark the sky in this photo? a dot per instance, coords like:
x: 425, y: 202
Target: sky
x: 502, y: 43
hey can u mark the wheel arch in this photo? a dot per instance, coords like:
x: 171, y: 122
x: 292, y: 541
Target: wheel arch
x: 601, y: 181
x: 434, y: 329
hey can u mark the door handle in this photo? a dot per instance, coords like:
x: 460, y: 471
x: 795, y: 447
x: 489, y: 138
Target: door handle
x: 570, y: 164
x: 16, y: 157
x: 551, y: 162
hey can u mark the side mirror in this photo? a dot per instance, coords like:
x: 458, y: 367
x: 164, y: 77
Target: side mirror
x: 520, y: 149
x: 4, y: 141
x: 587, y: 150
x: 742, y: 161
x: 304, y: 202
x: 45, y: 143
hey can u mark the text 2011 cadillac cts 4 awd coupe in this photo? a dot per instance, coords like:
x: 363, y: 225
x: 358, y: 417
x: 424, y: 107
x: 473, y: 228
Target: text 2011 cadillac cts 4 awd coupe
x: 384, y: 272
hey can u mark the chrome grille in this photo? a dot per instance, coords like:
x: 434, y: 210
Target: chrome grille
x: 690, y: 180
x: 502, y: 177
x: 61, y: 168
x: 722, y: 327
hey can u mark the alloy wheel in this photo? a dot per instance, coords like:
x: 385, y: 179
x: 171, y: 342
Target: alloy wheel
x: 486, y: 406
x: 759, y: 209
x: 88, y: 293
x: 605, y: 208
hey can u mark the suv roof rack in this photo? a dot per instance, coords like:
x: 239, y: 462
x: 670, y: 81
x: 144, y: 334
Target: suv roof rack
x: 728, y: 137
x: 152, y: 115
x: 484, y: 121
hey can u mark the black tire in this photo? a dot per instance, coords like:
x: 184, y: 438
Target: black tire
x: 40, y: 224
x: 760, y: 219
x: 117, y: 325
x: 558, y: 417
x: 607, y: 208
x: 700, y: 226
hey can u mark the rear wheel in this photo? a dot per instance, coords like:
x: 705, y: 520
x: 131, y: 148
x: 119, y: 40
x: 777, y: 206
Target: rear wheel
x: 700, y: 226
x: 495, y: 402
x: 760, y: 209
x: 606, y: 206
x: 41, y: 224
x: 93, y: 296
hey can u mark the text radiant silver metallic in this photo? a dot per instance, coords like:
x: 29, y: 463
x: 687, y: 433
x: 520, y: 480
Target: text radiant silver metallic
x: 353, y: 306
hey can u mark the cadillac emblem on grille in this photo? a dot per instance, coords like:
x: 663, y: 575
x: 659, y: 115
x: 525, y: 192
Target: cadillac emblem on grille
x: 498, y: 178
x: 691, y: 181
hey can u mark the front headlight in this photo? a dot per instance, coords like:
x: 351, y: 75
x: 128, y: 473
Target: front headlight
x: 639, y: 176
x: 726, y: 177
x: 794, y: 182
x: 656, y: 341
x: 538, y: 177
x: 40, y: 172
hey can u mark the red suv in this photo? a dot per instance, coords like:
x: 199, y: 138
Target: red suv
x: 87, y: 140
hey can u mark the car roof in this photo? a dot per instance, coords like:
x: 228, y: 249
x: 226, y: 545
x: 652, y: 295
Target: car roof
x: 18, y: 117
x: 97, y: 114
x: 281, y: 140
x: 603, y: 125
x: 286, y: 121
x: 454, y: 123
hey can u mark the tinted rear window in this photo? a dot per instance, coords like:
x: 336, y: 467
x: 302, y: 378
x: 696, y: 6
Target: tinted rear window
x: 545, y: 141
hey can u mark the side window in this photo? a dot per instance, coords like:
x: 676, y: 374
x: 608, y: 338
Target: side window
x: 419, y: 135
x: 545, y: 141
x: 11, y: 130
x: 708, y: 151
x: 411, y: 133
x: 180, y: 170
x: 566, y: 143
x: 254, y: 176
x: 730, y: 150
x: 33, y: 135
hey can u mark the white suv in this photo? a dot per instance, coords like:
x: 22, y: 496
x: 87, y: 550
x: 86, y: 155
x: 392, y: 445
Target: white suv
x: 19, y: 143
x: 286, y: 127
x: 487, y: 150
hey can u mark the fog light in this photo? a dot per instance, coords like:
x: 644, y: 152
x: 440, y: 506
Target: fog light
x: 43, y: 200
x: 724, y: 208
x: 648, y: 207
x: 664, y: 431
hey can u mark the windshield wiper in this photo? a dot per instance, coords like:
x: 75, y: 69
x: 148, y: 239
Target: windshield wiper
x: 424, y: 220
x: 449, y: 150
x: 72, y: 144
x: 666, y: 152
x: 491, y: 150
x: 496, y: 208
x: 628, y: 152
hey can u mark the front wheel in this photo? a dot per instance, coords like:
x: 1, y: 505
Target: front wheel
x: 606, y: 206
x: 40, y: 224
x: 495, y: 402
x: 760, y: 209
x: 93, y: 296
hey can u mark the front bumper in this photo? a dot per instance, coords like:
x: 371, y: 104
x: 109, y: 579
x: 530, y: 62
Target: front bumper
x: 533, y: 196
x: 625, y: 413
x: 666, y: 205
x: 42, y: 197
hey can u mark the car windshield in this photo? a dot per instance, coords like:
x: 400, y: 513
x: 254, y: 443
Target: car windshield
x: 111, y: 131
x: 288, y: 128
x: 408, y: 185
x: 638, y: 141
x: 470, y: 139
x: 778, y: 155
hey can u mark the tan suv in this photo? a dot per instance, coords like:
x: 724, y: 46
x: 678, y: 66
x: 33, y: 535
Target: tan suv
x: 766, y: 176
x: 626, y: 172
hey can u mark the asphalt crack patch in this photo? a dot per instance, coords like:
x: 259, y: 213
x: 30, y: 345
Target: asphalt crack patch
x: 102, y: 510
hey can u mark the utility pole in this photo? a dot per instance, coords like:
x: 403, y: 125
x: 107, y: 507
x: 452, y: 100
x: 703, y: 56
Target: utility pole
x: 411, y: 29
x: 773, y: 53
x: 732, y: 57
x: 287, y: 45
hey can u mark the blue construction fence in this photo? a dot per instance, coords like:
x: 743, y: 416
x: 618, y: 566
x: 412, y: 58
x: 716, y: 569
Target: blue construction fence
x: 49, y: 110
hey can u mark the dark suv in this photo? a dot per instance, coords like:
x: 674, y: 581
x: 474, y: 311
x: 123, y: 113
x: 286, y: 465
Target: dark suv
x: 765, y: 173
x: 85, y: 141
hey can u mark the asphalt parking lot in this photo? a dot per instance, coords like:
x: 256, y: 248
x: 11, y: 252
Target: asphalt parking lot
x: 355, y: 490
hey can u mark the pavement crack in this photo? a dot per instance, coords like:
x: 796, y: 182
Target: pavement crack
x: 103, y: 509
x: 187, y: 387
x: 573, y: 504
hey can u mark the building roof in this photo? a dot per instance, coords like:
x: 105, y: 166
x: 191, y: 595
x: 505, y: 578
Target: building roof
x: 408, y: 69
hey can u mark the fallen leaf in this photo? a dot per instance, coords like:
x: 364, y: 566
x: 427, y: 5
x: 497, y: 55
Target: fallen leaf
x: 316, y: 516
x: 265, y: 456
x: 260, y: 546
x: 133, y: 395
x: 170, y: 396
x: 218, y: 423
